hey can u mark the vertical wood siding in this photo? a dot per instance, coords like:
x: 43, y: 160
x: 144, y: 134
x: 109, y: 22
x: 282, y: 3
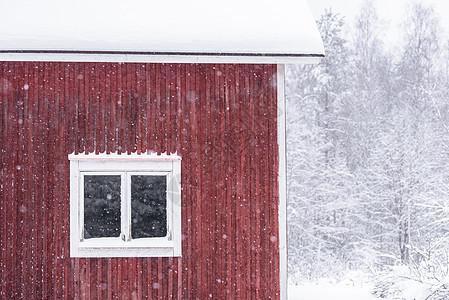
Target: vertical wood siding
x: 220, y: 118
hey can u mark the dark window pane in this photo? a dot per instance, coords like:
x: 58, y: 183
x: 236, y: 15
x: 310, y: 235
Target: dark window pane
x: 101, y: 206
x: 149, y: 206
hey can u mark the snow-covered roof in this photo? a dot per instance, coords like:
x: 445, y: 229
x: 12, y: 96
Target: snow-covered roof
x: 281, y: 31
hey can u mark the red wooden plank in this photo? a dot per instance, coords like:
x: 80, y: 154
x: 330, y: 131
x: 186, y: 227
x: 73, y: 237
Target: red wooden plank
x: 95, y: 116
x: 141, y: 118
x: 212, y: 93
x: 92, y: 273
x: 170, y: 278
x: 45, y: 167
x: 118, y: 289
x: 131, y: 267
x: 265, y: 238
x: 239, y: 188
x: 119, y: 108
x: 247, y: 192
x: 180, y: 272
x: 262, y: 130
x: 111, y: 94
x: 125, y: 289
x: 77, y: 283
x: 203, y: 223
x: 48, y: 213
x: 66, y: 138
x: 182, y: 137
x: 139, y: 282
x: 18, y: 182
x: 107, y: 103
x: 15, y: 178
x: 86, y: 112
x: 144, y: 87
x: 83, y: 114
x: 74, y: 93
x: 167, y: 110
x: 55, y: 227
x: 151, y: 109
x: 251, y: 191
x: 99, y: 279
x: 198, y: 122
x: 87, y: 279
x: 110, y: 275
x: 130, y: 97
x: 39, y: 184
x: 228, y: 183
x: 11, y: 195
x: 10, y: 192
x: 273, y: 179
x: 114, y: 96
x: 157, y: 285
x: 188, y: 231
x: 195, y: 221
x: 158, y: 117
x: 52, y: 124
x: 174, y: 88
x: 102, y: 108
x: 150, y: 264
x: 235, y: 154
x: 6, y: 182
x: 125, y: 124
x: 163, y: 129
x: 2, y: 199
x: 221, y: 175
x: 130, y: 119
x: 207, y: 179
x: 20, y: 252
x: 276, y: 189
x: 3, y: 141
x: 57, y: 216
x: 34, y: 140
x: 143, y: 288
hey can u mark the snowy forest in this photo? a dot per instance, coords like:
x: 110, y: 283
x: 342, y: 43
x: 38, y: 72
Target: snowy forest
x: 368, y: 157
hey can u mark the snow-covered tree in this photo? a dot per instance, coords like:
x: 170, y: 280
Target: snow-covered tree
x: 320, y: 185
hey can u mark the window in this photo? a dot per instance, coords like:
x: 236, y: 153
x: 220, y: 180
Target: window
x: 125, y: 205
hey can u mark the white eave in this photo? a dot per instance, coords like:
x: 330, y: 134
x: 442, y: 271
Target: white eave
x: 233, y: 31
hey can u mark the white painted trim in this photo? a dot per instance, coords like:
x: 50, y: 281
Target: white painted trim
x: 74, y: 212
x: 124, y: 156
x: 175, y: 197
x: 123, y: 165
x: 168, y: 165
x: 282, y: 181
x: 147, y: 58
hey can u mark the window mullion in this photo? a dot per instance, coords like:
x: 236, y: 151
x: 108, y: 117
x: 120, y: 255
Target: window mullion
x: 124, y: 207
x: 128, y: 206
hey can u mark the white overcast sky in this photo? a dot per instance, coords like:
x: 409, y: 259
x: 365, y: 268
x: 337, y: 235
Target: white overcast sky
x: 392, y: 11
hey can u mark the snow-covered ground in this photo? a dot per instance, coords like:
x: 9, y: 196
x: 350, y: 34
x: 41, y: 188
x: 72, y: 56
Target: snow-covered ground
x: 329, y: 292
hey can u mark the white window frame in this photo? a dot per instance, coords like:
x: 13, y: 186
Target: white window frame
x: 125, y: 165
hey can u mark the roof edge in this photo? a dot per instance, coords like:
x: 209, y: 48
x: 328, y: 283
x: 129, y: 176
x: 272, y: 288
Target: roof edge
x: 158, y: 57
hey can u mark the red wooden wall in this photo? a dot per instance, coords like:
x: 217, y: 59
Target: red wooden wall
x: 220, y: 118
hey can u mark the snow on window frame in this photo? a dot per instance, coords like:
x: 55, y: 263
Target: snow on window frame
x: 126, y: 165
